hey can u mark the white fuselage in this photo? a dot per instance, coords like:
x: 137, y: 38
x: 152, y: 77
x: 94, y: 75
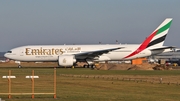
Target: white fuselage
x: 51, y: 52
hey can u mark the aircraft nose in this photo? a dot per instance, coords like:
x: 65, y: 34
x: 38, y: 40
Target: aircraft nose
x: 6, y: 55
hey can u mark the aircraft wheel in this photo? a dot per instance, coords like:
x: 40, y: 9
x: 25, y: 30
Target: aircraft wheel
x: 93, y: 66
x: 85, y: 66
x: 89, y: 66
x: 19, y: 66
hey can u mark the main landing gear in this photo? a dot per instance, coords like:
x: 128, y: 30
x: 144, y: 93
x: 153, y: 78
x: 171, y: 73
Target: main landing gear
x: 89, y: 66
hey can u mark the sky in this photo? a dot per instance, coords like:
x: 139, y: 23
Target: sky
x: 57, y: 22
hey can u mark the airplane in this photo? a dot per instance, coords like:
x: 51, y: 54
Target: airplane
x: 69, y: 55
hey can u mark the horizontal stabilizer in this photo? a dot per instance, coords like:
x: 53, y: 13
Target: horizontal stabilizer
x: 162, y: 48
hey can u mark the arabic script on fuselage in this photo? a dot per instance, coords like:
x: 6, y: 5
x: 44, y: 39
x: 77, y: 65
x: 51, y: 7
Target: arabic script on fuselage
x: 50, y: 51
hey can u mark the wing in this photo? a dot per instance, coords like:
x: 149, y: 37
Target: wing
x: 92, y: 54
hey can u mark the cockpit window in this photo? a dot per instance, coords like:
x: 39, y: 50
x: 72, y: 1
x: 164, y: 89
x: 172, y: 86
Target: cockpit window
x: 9, y: 51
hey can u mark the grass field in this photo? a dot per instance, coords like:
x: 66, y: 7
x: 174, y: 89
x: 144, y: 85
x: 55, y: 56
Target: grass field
x: 81, y: 84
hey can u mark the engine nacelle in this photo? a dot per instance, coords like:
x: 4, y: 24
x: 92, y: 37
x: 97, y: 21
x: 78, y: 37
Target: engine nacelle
x: 66, y: 60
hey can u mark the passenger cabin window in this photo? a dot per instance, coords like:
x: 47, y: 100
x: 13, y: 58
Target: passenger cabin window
x: 9, y: 51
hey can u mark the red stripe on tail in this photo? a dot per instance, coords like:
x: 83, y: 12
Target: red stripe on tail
x: 143, y: 45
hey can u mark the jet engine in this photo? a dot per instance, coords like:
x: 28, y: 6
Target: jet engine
x: 66, y: 60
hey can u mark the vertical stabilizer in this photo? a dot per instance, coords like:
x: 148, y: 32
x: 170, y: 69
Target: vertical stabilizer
x: 155, y: 39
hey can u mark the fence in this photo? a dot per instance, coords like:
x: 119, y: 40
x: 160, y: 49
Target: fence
x: 28, y: 82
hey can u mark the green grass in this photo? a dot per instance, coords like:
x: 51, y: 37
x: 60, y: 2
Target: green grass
x: 82, y: 84
x: 81, y: 71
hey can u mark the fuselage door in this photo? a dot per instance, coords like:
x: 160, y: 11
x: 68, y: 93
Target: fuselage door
x: 21, y: 52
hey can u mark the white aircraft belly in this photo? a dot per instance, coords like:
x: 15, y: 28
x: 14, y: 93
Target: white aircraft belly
x: 39, y: 58
x: 117, y: 55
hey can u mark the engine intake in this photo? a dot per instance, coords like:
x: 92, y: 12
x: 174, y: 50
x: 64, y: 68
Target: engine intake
x: 66, y: 60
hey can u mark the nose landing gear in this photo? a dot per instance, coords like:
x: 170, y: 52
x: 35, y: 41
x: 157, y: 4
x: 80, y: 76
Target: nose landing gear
x: 19, y: 66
